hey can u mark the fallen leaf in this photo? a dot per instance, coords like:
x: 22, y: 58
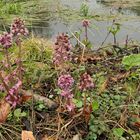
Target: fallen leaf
x: 4, y: 110
x: 87, y: 112
x: 46, y: 137
x: 136, y: 123
x: 27, y: 135
x: 76, y: 137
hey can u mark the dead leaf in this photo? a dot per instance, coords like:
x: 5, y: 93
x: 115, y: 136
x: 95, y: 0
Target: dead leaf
x: 46, y: 137
x: 137, y: 120
x: 76, y: 137
x: 4, y: 110
x: 27, y: 135
x: 87, y: 112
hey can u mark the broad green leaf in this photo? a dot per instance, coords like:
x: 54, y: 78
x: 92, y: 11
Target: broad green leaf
x: 17, y: 112
x: 131, y: 60
x: 118, y: 132
x: 79, y: 104
x: 95, y: 105
x: 23, y: 114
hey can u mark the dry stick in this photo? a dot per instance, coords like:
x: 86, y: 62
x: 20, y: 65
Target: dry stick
x: 85, y: 102
x: 107, y: 35
x: 84, y: 47
x: 4, y: 84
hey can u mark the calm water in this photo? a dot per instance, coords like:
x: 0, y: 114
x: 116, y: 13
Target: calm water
x: 130, y: 27
x: 49, y: 28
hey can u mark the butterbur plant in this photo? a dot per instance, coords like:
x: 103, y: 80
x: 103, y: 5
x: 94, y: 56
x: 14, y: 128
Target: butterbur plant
x: 18, y: 30
x: 85, y: 24
x: 62, y: 50
x: 114, y: 29
x: 65, y: 83
x: 86, y: 84
x: 6, y: 43
x: 12, y: 78
x: 6, y: 40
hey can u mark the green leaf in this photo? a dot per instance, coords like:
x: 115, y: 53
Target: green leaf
x: 79, y: 104
x: 118, y: 132
x: 41, y: 106
x: 23, y: 114
x: 17, y: 112
x: 131, y: 60
x: 95, y: 105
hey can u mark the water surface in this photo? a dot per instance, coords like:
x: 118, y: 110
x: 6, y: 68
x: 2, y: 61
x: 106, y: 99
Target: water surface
x: 48, y: 22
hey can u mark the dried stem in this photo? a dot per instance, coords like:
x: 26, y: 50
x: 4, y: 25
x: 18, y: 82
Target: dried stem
x: 3, y: 82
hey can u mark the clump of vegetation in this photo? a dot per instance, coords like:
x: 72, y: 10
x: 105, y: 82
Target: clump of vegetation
x: 61, y: 89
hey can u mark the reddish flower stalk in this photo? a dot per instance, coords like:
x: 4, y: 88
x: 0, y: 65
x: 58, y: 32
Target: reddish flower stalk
x: 65, y: 82
x: 62, y: 50
x: 86, y: 25
x: 12, y: 83
x: 13, y: 97
x: 18, y: 30
x: 6, y: 43
x: 86, y: 83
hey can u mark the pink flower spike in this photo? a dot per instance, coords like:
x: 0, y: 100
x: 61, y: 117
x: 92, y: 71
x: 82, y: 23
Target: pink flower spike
x: 65, y: 82
x: 86, y: 82
x: 67, y: 94
x: 85, y: 23
x: 70, y: 107
x: 6, y: 40
x: 18, y: 28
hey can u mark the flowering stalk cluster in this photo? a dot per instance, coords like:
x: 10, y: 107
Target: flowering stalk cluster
x: 65, y: 83
x: 86, y: 82
x: 12, y: 83
x: 6, y: 40
x: 18, y: 28
x: 62, y: 49
x: 13, y: 97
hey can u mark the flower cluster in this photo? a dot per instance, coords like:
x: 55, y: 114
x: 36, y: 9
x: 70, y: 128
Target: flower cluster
x: 13, y: 97
x: 18, y: 28
x: 65, y: 82
x: 6, y: 40
x: 85, y: 23
x: 86, y: 82
x: 62, y: 49
x: 12, y: 91
x: 12, y: 82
